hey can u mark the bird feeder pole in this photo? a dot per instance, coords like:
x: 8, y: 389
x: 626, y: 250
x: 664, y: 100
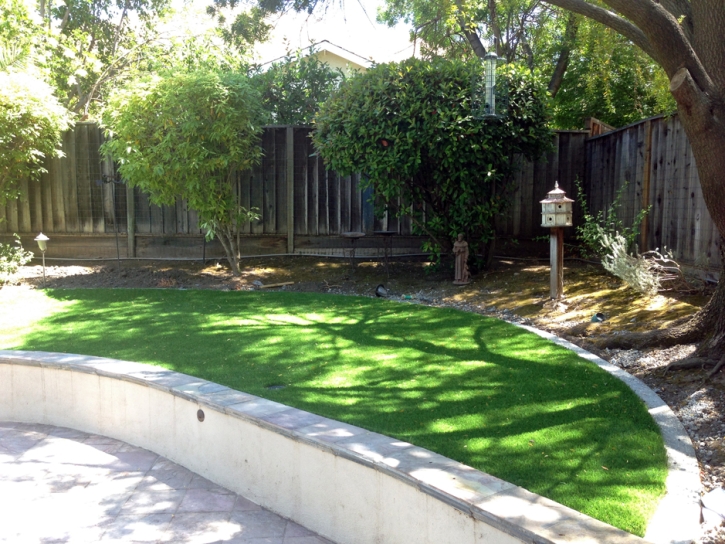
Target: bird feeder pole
x: 556, y: 213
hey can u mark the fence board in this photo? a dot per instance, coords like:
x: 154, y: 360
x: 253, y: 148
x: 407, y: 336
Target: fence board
x: 24, y: 206
x: 280, y: 179
x: 313, y: 189
x: 323, y: 212
x: 35, y: 201
x: 267, y: 173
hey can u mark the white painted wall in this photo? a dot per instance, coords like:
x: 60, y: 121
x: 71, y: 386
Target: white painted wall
x: 339, y: 481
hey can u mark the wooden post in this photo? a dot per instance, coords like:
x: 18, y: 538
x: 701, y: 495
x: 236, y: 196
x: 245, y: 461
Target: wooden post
x: 290, y: 190
x: 556, y: 255
x: 130, y: 221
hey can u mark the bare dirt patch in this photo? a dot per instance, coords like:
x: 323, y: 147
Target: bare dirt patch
x: 516, y: 289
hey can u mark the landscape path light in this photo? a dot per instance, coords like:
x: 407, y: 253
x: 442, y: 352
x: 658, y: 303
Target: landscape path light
x: 556, y: 213
x: 42, y: 240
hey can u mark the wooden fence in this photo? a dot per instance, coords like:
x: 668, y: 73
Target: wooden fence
x: 651, y: 162
x: 78, y: 203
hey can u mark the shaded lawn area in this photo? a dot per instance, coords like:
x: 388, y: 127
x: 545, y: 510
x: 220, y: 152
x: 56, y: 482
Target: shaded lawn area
x: 469, y: 387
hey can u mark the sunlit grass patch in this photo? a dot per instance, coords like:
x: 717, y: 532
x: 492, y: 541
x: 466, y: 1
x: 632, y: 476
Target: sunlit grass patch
x: 476, y: 389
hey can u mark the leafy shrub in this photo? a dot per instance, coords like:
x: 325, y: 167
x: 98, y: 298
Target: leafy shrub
x: 188, y: 134
x: 31, y: 123
x: 410, y: 128
x: 12, y: 257
x: 591, y: 233
x: 642, y: 272
x: 635, y: 270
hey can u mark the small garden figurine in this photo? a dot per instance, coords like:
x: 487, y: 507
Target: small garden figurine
x: 460, y: 250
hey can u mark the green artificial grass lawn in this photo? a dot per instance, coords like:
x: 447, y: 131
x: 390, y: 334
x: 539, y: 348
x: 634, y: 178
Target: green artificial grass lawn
x: 472, y: 388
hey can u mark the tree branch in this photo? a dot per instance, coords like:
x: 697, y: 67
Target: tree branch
x: 493, y: 21
x: 609, y: 19
x: 690, y: 98
x: 668, y: 39
x: 471, y: 36
x: 572, y: 27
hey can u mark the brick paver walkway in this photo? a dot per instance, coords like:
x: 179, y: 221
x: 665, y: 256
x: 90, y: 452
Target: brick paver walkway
x: 60, y: 485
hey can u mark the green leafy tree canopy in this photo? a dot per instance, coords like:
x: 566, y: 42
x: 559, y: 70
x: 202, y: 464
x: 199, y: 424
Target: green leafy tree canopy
x: 410, y: 129
x: 293, y: 89
x: 187, y: 134
x: 31, y: 123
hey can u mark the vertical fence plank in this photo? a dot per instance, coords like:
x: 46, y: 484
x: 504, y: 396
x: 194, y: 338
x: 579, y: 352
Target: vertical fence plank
x: 37, y: 217
x: 689, y: 231
x: 156, y: 219
x: 290, y: 175
x: 57, y: 198
x: 83, y: 180
x: 181, y: 219
x: 669, y: 218
x: 268, y: 176
x: 300, y: 182
x: 69, y: 180
x: 169, y: 218
x: 658, y: 168
x: 313, y: 188
x: 333, y: 187
x: 345, y: 199
x: 280, y: 178
x: 143, y: 212
x: 323, y: 222
x: 23, y: 206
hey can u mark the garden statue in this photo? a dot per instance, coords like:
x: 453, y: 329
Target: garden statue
x: 460, y: 251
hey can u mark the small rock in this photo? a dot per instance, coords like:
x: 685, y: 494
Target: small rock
x: 715, y: 501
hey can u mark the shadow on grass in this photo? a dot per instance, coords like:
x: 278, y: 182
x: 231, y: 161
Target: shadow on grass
x: 472, y: 388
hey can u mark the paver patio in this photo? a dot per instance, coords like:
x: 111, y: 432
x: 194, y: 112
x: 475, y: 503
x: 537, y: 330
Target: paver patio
x: 59, y: 485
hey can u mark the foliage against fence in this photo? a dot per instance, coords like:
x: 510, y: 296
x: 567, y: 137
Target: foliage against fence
x: 653, y: 161
x: 653, y: 158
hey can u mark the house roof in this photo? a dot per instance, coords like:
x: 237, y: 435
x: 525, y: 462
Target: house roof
x: 334, y: 55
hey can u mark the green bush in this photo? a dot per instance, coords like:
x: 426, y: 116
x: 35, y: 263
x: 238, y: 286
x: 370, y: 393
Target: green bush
x: 597, y: 230
x: 411, y: 129
x: 12, y: 257
x: 31, y: 123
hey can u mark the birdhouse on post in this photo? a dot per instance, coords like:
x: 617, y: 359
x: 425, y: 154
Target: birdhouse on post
x: 556, y: 213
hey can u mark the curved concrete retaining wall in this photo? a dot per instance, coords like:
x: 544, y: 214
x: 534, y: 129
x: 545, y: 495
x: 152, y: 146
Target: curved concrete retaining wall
x: 348, y: 484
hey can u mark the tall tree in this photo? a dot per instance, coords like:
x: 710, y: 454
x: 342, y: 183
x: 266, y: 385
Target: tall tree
x: 188, y: 134
x: 31, y: 117
x: 89, y: 43
x: 610, y: 79
x: 686, y: 38
x: 592, y: 72
x: 408, y: 127
x: 525, y: 31
x: 293, y: 89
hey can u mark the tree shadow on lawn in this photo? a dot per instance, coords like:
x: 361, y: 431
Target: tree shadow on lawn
x: 472, y: 388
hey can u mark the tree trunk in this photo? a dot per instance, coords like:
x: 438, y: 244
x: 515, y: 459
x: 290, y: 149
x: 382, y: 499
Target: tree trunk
x: 572, y: 27
x: 229, y: 243
x: 469, y: 33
